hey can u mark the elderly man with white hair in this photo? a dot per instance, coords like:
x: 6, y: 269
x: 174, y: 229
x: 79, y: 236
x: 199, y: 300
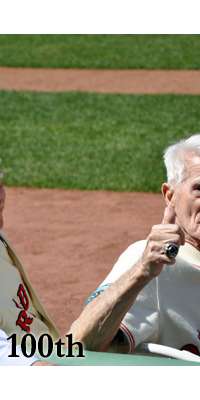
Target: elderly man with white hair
x: 152, y: 293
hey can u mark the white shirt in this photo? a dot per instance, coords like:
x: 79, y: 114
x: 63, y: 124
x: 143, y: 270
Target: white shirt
x: 167, y: 310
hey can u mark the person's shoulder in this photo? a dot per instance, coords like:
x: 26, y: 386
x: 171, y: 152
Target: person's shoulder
x: 134, y: 250
x: 139, y: 245
x: 126, y: 260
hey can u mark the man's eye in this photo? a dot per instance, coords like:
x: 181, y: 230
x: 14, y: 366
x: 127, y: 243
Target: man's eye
x: 197, y: 187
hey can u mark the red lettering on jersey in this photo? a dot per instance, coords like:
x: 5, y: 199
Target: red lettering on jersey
x: 24, y: 321
x: 23, y: 297
x: 192, y: 348
x: 17, y: 304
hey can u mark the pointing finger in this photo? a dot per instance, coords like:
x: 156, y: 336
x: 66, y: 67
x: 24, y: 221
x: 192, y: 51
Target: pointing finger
x: 169, y: 215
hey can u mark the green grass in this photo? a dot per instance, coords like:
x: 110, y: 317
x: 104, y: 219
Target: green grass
x: 101, y: 51
x: 91, y: 141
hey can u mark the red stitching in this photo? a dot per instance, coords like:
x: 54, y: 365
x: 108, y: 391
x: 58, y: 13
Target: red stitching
x: 129, y: 337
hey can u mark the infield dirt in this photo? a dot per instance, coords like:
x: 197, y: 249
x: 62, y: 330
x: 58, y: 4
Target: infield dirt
x: 102, y: 81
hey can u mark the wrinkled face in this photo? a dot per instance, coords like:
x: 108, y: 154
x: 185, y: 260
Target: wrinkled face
x: 187, y: 200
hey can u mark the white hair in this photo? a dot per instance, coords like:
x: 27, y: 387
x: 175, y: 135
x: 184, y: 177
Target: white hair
x: 175, y: 160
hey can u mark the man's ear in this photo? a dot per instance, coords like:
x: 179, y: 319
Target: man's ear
x: 167, y: 192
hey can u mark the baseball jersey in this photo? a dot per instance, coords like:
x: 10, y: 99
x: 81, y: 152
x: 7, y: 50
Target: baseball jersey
x: 166, y: 311
x: 20, y: 309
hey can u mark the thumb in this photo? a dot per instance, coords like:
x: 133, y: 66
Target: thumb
x: 169, y: 216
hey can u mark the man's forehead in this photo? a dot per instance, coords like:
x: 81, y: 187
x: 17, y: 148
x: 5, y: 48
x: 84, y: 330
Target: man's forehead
x: 192, y: 166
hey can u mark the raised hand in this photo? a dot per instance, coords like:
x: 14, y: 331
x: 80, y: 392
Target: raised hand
x: 154, y: 256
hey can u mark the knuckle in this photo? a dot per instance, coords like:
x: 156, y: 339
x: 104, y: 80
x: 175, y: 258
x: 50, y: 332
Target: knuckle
x: 155, y: 228
x: 155, y: 232
x: 150, y: 237
x: 152, y: 246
